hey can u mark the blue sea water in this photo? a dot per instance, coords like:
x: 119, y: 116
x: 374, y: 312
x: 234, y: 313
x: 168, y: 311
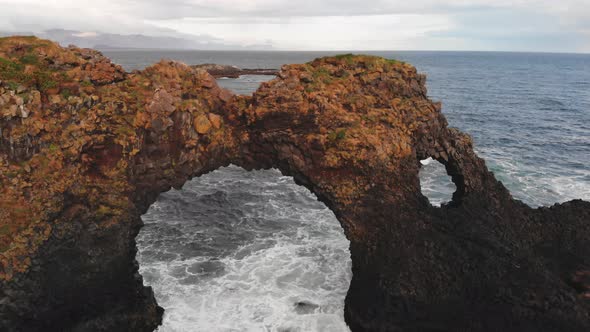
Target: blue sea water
x: 252, y: 251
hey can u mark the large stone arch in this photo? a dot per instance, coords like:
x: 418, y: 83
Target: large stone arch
x: 79, y: 169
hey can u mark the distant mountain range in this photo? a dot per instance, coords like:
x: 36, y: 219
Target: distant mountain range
x: 99, y: 40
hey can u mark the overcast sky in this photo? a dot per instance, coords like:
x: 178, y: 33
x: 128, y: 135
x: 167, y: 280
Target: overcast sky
x: 502, y: 25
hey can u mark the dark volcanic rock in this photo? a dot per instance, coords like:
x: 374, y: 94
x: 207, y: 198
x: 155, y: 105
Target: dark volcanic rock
x: 304, y: 307
x: 233, y: 71
x: 86, y: 148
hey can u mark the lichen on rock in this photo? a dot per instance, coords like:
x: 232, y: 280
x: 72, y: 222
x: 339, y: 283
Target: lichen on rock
x: 85, y: 148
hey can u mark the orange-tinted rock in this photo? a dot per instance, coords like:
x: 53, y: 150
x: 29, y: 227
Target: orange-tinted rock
x: 202, y: 124
x: 215, y: 120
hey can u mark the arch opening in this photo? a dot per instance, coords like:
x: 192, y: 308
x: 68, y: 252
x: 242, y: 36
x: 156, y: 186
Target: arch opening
x: 245, y: 250
x: 244, y: 84
x: 436, y: 184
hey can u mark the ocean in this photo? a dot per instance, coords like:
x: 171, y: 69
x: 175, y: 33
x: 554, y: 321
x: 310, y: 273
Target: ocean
x: 252, y: 251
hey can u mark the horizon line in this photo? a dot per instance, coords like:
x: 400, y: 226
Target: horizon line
x: 338, y: 51
x: 344, y: 51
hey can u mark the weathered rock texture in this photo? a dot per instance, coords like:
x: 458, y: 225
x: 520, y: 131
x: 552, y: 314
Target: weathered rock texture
x: 85, y: 148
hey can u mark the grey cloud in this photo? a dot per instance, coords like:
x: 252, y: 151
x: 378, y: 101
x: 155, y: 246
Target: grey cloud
x: 137, y: 41
x: 174, y: 9
x: 471, y: 19
x: 164, y: 10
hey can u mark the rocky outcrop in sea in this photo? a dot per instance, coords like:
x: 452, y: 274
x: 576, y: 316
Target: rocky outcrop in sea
x: 86, y: 147
x: 227, y: 71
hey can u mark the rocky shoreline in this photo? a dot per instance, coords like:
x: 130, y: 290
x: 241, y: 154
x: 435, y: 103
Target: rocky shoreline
x: 219, y: 71
x: 86, y: 147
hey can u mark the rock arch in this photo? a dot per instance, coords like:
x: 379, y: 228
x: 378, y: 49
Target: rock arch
x: 79, y: 168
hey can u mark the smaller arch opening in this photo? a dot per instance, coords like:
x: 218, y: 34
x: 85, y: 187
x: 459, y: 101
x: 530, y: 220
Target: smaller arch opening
x: 435, y: 183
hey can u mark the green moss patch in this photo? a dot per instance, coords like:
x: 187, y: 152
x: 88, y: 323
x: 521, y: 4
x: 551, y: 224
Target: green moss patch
x: 337, y: 135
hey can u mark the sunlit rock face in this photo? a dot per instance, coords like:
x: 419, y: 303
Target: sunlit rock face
x: 85, y: 148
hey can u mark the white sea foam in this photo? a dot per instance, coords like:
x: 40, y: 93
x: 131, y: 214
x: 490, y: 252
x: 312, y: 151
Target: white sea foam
x: 538, y: 185
x: 435, y: 184
x: 426, y: 161
x: 293, y: 280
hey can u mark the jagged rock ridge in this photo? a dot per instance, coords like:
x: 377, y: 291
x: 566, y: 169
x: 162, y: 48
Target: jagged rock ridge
x: 85, y: 148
